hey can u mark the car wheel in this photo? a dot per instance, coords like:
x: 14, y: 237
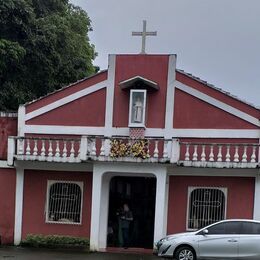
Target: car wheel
x: 185, y: 253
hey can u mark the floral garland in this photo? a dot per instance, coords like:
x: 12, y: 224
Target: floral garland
x: 138, y: 149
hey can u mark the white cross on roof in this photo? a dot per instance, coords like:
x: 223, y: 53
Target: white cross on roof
x: 144, y: 33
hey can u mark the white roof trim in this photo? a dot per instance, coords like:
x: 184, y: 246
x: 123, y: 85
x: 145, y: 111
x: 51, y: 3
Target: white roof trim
x: 127, y: 83
x: 66, y: 100
x: 221, y: 105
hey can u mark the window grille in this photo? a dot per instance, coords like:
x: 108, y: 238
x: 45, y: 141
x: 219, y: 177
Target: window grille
x: 64, y: 202
x: 205, y: 206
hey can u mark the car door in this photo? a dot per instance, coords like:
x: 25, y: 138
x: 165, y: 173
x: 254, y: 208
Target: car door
x: 221, y: 241
x: 249, y: 243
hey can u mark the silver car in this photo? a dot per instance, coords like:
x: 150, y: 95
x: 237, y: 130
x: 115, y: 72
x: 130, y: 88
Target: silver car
x: 227, y: 239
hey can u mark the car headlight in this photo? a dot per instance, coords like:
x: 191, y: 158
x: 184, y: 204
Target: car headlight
x: 166, y: 239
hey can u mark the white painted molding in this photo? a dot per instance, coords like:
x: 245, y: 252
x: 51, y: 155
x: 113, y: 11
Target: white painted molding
x: 149, y: 132
x: 21, y: 120
x: 64, y: 130
x: 169, y: 109
x: 3, y: 164
x: 221, y: 105
x: 110, y: 95
x: 66, y: 100
x: 257, y: 198
x: 18, y: 205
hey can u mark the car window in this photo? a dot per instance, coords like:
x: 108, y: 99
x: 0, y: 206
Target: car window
x: 217, y: 229
x: 250, y: 228
x: 232, y: 227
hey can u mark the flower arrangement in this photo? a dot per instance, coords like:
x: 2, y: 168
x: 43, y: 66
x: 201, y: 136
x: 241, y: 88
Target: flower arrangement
x: 136, y: 148
x: 118, y: 148
x: 140, y: 149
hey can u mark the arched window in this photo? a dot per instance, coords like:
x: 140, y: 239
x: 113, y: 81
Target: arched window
x: 205, y: 206
x: 64, y: 202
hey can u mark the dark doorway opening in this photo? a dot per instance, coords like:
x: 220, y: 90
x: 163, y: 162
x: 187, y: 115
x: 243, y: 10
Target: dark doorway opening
x: 139, y: 193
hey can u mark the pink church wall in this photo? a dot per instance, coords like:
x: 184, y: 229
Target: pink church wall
x: 7, y: 205
x: 75, y: 87
x: 218, y: 95
x: 8, y: 127
x: 240, y: 192
x: 152, y: 67
x: 35, y: 182
x: 85, y: 111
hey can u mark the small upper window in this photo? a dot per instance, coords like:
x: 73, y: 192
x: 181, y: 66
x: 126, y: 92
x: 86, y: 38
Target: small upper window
x: 137, y: 108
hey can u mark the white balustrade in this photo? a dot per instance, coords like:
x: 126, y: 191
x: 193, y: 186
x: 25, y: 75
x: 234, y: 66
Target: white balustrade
x: 78, y: 150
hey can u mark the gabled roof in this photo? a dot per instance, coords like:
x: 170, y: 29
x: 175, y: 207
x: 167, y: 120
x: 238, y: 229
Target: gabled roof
x: 215, y: 88
x: 129, y: 82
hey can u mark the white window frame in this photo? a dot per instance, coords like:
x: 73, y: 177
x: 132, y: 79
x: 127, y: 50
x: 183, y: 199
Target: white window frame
x: 191, y: 189
x: 142, y: 124
x: 49, y: 184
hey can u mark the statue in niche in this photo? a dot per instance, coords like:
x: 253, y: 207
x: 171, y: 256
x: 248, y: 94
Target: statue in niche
x: 138, y: 110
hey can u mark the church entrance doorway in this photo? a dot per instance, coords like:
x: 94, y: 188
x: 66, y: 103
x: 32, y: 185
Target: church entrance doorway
x: 139, y: 195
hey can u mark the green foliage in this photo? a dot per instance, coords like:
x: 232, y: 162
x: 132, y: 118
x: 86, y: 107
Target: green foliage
x: 44, y: 45
x: 55, y: 241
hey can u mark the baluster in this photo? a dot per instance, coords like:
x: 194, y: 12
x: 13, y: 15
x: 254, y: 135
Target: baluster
x: 228, y: 154
x: 195, y: 153
x: 57, y: 151
x: 50, y: 151
x: 28, y: 148
x: 253, y: 156
x: 35, y: 149
x: 219, y: 154
x: 72, y: 152
x: 165, y: 150
x: 102, y: 149
x: 211, y: 154
x: 236, y: 155
x: 187, y: 153
x: 203, y: 154
x: 64, y: 151
x: 156, y: 151
x: 244, y: 156
x: 94, y: 149
x: 43, y: 149
x: 20, y: 146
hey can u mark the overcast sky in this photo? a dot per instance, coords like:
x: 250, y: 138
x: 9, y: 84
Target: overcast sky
x: 216, y: 40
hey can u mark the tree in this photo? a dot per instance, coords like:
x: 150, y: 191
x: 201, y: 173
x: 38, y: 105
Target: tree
x: 44, y: 45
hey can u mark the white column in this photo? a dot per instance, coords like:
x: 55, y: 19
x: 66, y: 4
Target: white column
x: 110, y: 95
x: 18, y: 206
x: 99, y: 212
x: 257, y: 198
x: 169, y: 111
x: 161, y: 205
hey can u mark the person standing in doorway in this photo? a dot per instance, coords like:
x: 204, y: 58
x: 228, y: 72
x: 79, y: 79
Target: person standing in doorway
x: 125, y: 218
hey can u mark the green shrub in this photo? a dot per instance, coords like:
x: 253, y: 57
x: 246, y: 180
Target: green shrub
x: 55, y: 241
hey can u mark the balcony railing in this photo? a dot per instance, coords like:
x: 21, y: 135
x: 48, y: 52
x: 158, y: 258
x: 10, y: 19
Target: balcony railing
x: 219, y: 155
x: 122, y: 149
x: 86, y: 148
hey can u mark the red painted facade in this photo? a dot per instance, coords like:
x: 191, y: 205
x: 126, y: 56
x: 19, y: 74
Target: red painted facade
x: 71, y: 89
x: 190, y: 112
x: 240, y: 192
x: 219, y: 95
x: 7, y: 205
x: 85, y: 111
x: 8, y: 127
x: 35, y: 182
x: 152, y: 67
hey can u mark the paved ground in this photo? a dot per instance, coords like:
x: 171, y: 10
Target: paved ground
x: 46, y: 254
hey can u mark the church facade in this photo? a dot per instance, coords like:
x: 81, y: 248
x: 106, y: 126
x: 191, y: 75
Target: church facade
x: 180, y: 152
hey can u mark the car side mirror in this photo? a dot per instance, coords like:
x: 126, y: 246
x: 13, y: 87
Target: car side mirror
x: 205, y: 232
